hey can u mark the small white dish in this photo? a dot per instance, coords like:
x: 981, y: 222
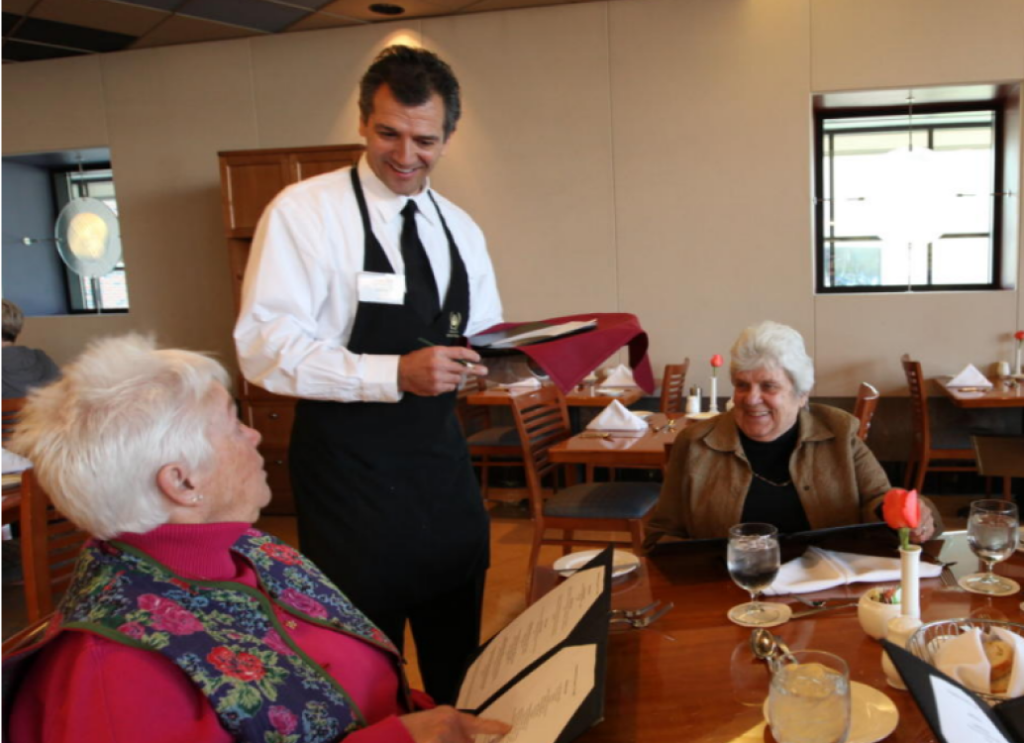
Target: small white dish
x: 702, y: 416
x: 873, y: 716
x: 623, y: 563
x: 785, y: 614
x: 873, y: 615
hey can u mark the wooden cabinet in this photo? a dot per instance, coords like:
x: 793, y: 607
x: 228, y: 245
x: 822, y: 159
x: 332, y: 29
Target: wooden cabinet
x: 249, y: 180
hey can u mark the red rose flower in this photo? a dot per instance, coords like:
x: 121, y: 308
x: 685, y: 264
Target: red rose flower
x: 902, y: 511
x: 716, y: 360
x: 282, y: 553
x: 1019, y: 335
x: 241, y: 666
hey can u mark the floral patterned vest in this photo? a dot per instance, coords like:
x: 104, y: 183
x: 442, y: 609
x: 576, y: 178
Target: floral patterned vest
x: 226, y: 637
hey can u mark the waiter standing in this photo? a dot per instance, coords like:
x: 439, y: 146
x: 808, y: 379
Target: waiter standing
x: 352, y: 275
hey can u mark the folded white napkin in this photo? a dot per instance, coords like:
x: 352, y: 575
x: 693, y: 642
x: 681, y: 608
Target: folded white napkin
x: 615, y: 417
x: 969, y: 377
x: 819, y: 569
x: 963, y: 659
x: 528, y: 383
x: 14, y: 462
x: 620, y: 376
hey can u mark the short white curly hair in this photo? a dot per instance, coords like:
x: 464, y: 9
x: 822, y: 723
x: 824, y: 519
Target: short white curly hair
x: 98, y: 437
x: 772, y: 345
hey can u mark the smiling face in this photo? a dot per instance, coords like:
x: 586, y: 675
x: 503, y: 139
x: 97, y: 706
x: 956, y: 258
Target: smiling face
x: 766, y: 404
x: 403, y: 143
x: 234, y: 484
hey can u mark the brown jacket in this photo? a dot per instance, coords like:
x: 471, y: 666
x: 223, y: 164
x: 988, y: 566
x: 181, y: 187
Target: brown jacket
x: 838, y: 479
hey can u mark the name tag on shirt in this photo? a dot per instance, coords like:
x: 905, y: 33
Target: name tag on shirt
x: 381, y: 288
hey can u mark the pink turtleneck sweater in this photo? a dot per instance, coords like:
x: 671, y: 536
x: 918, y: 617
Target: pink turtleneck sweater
x: 86, y: 688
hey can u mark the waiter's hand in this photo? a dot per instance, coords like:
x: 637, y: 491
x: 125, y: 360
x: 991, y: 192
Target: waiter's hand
x: 447, y: 725
x: 437, y: 369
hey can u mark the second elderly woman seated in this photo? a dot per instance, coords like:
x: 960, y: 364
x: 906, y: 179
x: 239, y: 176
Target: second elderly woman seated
x: 182, y: 622
x: 773, y: 458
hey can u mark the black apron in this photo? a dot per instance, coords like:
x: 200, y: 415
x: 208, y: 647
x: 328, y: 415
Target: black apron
x: 388, y: 504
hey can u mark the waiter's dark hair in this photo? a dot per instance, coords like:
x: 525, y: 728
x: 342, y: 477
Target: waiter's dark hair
x: 413, y: 75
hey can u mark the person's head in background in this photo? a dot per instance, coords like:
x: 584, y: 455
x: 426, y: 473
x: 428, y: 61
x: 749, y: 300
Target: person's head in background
x: 14, y: 321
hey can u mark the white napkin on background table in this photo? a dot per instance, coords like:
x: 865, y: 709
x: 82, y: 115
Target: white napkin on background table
x: 963, y: 659
x: 969, y: 377
x: 819, y: 569
x: 14, y: 462
x: 620, y: 376
x: 519, y: 384
x: 616, y: 417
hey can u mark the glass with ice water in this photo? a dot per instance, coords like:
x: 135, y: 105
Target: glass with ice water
x: 809, y: 699
x: 753, y: 559
x: 992, y: 533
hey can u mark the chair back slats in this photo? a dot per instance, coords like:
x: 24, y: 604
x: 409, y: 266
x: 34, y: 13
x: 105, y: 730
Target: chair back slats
x: 673, y: 388
x: 864, y: 409
x: 542, y: 420
x: 918, y: 396
x: 11, y: 413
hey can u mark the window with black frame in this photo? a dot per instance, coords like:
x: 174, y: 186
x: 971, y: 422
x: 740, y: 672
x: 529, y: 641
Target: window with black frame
x: 906, y: 199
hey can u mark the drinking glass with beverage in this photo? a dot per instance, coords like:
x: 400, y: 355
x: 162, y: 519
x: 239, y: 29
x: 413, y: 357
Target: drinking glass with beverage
x: 753, y: 559
x: 992, y: 533
x: 809, y: 698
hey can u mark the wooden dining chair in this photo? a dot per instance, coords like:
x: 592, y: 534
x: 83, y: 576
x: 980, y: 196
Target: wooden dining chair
x: 489, y: 445
x: 542, y: 421
x: 11, y: 413
x: 673, y: 388
x: 864, y: 408
x: 49, y: 548
x: 922, y: 452
x: 1000, y: 456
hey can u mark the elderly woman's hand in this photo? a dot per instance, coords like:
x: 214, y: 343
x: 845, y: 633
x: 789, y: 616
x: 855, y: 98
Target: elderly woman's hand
x: 448, y: 725
x: 925, y: 529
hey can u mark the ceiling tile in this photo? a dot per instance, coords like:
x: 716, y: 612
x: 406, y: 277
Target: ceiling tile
x: 102, y: 14
x: 181, y: 30
x: 308, y: 4
x: 361, y: 9
x: 168, y: 5
x: 17, y: 6
x: 257, y: 14
x: 323, y: 20
x: 70, y: 35
x: 485, y: 5
x: 17, y: 52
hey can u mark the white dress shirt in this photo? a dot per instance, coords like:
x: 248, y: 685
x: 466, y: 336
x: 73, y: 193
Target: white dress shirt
x: 299, y: 298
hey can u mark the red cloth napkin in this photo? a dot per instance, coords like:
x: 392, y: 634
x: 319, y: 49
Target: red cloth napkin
x: 568, y: 360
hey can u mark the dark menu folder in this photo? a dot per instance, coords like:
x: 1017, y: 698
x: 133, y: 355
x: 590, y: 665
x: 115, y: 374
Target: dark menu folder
x: 545, y: 672
x: 509, y: 340
x: 953, y: 712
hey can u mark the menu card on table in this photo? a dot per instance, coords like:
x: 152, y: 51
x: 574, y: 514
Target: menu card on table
x: 544, y: 673
x: 953, y: 712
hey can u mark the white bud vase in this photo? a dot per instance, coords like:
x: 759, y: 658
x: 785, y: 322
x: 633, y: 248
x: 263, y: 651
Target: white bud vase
x: 713, y: 401
x: 1016, y: 367
x: 910, y: 581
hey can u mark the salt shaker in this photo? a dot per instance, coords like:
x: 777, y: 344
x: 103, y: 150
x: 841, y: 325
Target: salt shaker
x: 693, y: 401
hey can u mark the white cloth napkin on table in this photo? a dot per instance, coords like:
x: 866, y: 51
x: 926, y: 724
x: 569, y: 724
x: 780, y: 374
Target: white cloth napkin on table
x: 963, y: 659
x: 620, y: 376
x: 819, y: 569
x: 14, y: 462
x: 616, y: 417
x: 969, y: 377
x: 520, y: 384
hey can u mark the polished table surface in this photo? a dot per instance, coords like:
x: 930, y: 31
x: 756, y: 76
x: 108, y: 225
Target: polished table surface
x: 620, y: 449
x: 691, y: 678
x: 1000, y: 395
x: 588, y: 397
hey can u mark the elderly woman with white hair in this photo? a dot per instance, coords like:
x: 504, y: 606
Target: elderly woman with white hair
x: 773, y: 458
x: 182, y: 622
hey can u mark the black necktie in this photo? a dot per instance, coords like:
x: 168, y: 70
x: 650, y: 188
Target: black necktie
x: 419, y: 277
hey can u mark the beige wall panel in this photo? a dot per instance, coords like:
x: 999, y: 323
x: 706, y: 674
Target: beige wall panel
x: 170, y: 111
x: 860, y: 338
x: 307, y: 83
x: 712, y: 135
x: 53, y: 105
x: 531, y: 160
x: 892, y: 43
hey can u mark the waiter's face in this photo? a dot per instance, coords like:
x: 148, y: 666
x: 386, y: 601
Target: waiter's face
x: 403, y: 143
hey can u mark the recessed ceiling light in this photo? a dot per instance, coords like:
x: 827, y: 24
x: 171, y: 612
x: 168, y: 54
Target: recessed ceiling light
x: 387, y: 9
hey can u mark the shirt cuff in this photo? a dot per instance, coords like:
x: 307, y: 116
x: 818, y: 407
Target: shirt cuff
x: 380, y: 381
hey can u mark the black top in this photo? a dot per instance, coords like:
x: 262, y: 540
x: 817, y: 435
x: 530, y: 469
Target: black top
x: 770, y: 503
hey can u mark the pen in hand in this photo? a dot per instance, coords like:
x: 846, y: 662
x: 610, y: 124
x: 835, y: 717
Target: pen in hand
x: 464, y: 362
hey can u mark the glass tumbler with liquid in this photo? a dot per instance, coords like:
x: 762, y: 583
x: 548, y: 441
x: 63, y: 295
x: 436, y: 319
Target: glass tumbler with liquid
x: 809, y: 699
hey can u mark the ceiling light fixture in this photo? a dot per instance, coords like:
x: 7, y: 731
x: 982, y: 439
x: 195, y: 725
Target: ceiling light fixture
x: 387, y: 9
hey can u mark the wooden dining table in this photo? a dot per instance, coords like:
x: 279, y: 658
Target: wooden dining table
x: 1004, y: 393
x: 616, y: 449
x: 691, y: 676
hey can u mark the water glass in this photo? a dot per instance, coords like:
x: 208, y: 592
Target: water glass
x: 753, y: 559
x: 809, y: 698
x: 992, y: 533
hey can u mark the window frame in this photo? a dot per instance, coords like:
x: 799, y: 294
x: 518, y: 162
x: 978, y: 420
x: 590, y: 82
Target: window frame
x: 820, y: 203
